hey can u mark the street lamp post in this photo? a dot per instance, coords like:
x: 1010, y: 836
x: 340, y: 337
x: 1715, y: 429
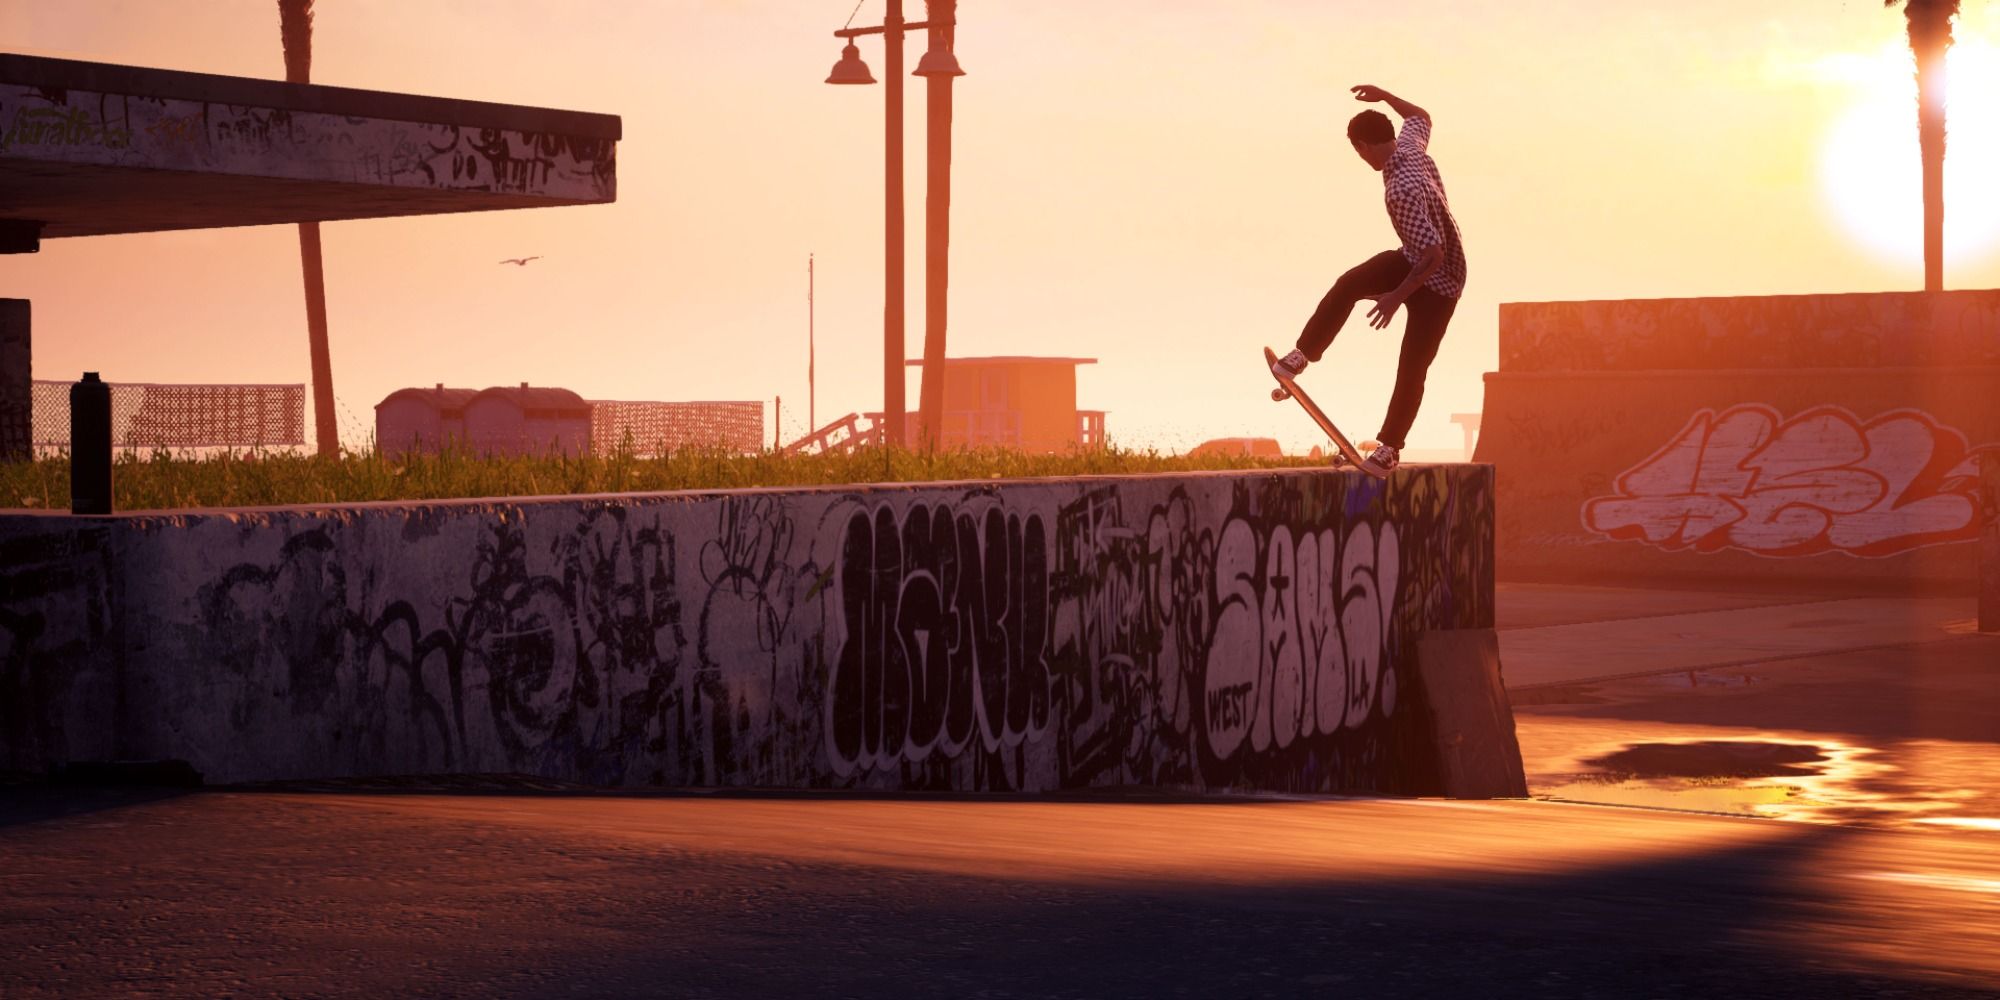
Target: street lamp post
x: 937, y: 213
x: 937, y: 63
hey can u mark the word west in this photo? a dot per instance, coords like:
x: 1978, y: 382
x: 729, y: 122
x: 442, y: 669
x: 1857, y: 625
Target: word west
x: 1822, y: 481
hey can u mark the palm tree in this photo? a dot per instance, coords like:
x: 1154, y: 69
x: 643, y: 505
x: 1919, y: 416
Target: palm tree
x: 295, y: 18
x: 1930, y: 38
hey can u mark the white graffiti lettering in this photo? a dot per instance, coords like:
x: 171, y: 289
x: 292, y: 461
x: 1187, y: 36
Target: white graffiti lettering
x: 1822, y: 481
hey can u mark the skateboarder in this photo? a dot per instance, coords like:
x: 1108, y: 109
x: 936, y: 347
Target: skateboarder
x: 1426, y: 275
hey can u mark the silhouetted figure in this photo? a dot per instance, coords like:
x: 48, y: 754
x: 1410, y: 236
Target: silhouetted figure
x: 1427, y: 274
x: 519, y: 261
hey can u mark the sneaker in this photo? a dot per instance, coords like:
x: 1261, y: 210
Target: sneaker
x: 1290, y: 366
x: 1384, y: 459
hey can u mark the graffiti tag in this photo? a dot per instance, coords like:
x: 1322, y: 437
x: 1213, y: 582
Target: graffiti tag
x: 1823, y: 481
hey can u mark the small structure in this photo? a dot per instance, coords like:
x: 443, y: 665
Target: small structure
x: 1015, y: 402
x: 1247, y: 447
x: 1469, y: 423
x: 421, y: 419
x: 520, y: 420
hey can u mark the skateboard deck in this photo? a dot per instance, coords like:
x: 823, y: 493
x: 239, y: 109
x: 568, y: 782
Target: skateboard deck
x: 1340, y: 440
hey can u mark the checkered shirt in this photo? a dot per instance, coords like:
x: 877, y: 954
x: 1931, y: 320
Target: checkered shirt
x: 1414, y: 194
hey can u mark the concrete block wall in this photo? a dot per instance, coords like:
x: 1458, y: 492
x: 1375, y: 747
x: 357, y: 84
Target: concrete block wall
x: 1212, y: 631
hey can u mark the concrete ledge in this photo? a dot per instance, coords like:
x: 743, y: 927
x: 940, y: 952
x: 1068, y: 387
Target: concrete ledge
x: 1205, y: 632
x: 1779, y: 332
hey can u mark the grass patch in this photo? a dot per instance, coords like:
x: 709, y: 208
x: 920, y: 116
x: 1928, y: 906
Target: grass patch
x: 162, y: 480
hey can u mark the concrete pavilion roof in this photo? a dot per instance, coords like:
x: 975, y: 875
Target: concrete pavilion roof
x: 89, y: 149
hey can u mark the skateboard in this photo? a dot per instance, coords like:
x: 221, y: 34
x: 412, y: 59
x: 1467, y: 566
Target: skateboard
x: 1340, y: 440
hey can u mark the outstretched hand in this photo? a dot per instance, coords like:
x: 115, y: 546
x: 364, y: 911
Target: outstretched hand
x: 1370, y: 93
x: 1384, y: 310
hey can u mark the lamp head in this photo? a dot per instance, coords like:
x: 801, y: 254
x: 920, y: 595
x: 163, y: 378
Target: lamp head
x: 850, y: 69
x: 938, y: 62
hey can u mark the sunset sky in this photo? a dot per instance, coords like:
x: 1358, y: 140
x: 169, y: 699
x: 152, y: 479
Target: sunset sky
x: 1164, y: 185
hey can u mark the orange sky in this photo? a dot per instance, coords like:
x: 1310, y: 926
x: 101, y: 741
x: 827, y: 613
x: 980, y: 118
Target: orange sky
x: 1161, y: 184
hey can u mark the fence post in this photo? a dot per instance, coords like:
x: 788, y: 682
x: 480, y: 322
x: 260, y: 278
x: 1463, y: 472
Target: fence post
x: 90, y: 446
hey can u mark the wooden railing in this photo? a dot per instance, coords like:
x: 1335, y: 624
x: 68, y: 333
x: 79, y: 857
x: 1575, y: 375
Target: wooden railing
x: 842, y: 435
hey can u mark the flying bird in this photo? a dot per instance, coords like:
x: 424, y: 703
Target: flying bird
x: 520, y: 261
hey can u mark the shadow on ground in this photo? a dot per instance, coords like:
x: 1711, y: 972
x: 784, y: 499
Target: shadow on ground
x: 211, y: 894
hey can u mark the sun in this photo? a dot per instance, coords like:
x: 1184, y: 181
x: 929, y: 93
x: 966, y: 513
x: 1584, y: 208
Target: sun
x: 1871, y: 172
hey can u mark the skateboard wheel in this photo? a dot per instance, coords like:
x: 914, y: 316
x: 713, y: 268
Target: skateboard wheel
x: 1279, y: 395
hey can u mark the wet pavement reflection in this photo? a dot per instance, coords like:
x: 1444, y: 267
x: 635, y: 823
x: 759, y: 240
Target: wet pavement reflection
x: 1630, y: 743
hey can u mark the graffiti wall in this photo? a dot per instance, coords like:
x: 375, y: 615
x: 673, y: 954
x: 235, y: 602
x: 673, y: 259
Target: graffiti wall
x: 1828, y: 441
x: 1208, y: 632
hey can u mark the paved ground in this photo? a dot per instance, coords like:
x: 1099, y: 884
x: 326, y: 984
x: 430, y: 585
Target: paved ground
x: 111, y: 894
x: 1650, y: 639
x: 1531, y: 605
x: 1890, y: 885
x: 1884, y: 732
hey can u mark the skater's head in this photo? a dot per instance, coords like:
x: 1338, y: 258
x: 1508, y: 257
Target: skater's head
x: 1373, y: 137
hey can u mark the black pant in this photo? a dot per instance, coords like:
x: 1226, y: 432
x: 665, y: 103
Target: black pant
x: 1429, y: 314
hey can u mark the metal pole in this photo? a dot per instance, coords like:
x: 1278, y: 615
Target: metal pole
x: 893, y: 406
x: 937, y: 225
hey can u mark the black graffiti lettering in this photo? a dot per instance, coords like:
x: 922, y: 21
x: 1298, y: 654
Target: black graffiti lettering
x: 1226, y: 705
x: 946, y: 625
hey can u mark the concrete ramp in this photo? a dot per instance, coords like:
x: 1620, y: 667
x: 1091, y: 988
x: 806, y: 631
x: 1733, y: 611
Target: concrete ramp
x: 1803, y: 441
x: 1219, y: 631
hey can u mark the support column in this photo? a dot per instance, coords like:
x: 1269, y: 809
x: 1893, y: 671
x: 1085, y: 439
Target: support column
x: 17, y: 394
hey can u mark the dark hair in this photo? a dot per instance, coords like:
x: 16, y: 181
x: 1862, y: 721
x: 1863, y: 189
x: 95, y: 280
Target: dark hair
x: 1370, y: 127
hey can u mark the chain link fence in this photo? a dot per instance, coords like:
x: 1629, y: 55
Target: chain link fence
x: 660, y: 427
x: 145, y: 415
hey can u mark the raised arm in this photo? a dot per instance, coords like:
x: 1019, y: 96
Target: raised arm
x: 1371, y: 93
